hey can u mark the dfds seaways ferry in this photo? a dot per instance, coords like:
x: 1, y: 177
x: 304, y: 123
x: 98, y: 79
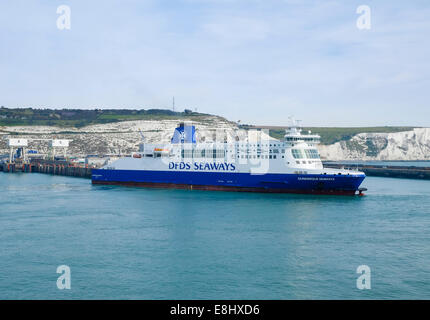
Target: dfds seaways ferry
x: 292, y: 165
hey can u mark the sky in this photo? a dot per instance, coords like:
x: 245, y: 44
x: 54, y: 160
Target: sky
x: 258, y: 61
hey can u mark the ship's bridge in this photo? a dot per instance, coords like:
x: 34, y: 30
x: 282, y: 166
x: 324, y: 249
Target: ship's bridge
x: 294, y: 136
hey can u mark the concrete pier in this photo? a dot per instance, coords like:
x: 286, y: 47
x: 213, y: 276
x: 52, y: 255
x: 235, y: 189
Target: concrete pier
x: 63, y: 168
x: 385, y: 171
x: 66, y: 168
x: 15, y: 167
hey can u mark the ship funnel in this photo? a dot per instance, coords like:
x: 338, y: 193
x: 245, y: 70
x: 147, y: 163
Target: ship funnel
x: 184, y: 133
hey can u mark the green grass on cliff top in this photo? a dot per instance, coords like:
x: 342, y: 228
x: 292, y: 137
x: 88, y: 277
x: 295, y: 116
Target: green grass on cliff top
x: 80, y: 118
x: 332, y: 135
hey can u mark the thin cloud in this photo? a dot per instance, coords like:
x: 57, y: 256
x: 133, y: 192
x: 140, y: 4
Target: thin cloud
x: 258, y: 61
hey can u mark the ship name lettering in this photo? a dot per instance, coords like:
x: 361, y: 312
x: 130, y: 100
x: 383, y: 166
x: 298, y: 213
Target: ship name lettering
x: 202, y: 166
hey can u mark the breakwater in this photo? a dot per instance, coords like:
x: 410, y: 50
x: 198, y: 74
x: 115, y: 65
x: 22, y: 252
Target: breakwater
x: 15, y: 167
x: 63, y: 168
x: 66, y: 168
x: 407, y: 172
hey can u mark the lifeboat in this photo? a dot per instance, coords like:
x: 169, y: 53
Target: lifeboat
x: 160, y: 151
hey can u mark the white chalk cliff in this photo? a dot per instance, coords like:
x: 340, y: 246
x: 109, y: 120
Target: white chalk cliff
x: 406, y: 145
x: 124, y: 138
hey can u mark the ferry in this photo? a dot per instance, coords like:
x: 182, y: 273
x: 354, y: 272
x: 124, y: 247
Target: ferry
x: 256, y: 163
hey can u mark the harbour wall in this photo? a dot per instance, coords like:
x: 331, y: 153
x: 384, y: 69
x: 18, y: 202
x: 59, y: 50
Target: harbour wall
x: 66, y: 168
x: 386, y: 171
x: 63, y: 168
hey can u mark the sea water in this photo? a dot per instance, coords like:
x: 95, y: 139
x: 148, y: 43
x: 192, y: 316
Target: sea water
x: 137, y: 243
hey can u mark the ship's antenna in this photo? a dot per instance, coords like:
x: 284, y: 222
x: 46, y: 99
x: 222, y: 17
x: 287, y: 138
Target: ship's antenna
x: 292, y: 121
x: 173, y: 105
x: 143, y: 137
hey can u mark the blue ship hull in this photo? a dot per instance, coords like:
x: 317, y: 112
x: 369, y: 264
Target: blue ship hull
x: 276, y: 183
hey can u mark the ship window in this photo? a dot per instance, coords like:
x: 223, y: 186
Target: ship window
x: 199, y: 153
x: 218, y: 153
x: 297, y: 153
x: 312, y: 154
x: 270, y: 157
x: 274, y: 156
x: 186, y: 153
